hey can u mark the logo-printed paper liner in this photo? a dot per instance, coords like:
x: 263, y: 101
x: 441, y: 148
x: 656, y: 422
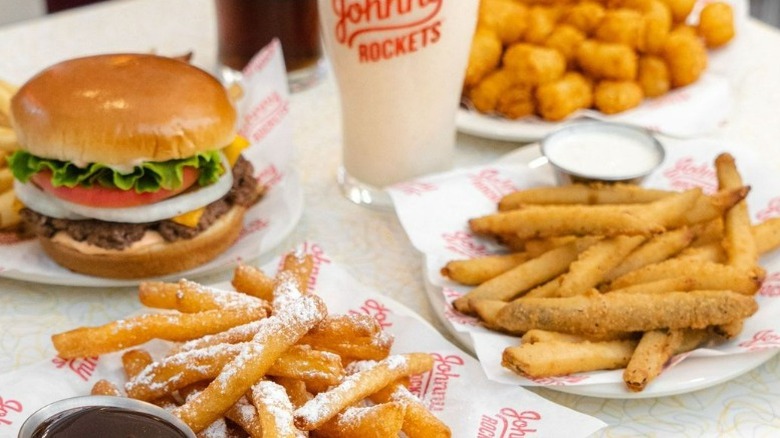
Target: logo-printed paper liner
x: 265, y: 122
x: 456, y: 390
x: 435, y: 210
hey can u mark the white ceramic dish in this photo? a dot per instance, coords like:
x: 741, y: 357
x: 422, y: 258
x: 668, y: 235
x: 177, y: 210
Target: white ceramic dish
x: 270, y: 222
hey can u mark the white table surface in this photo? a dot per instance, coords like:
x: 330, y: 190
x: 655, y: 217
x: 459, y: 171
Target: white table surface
x: 371, y: 244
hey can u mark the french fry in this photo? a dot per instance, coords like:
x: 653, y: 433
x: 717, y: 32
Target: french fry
x: 487, y: 311
x: 595, y: 262
x: 252, y: 281
x: 600, y: 313
x: 536, y: 335
x: 418, y: 421
x: 8, y: 141
x: 656, y: 249
x: 117, y: 335
x: 654, y: 349
x: 707, y: 274
x: 524, y: 276
x: 478, y: 270
x: 708, y: 232
x: 278, y: 333
x: 9, y: 216
x: 546, y: 290
x: 767, y: 235
x: 675, y: 284
x: 709, y: 208
x: 581, y: 194
x: 544, y: 359
x: 556, y: 220
x: 104, y: 387
x: 712, y: 252
x: 670, y: 211
x: 381, y: 421
x: 537, y: 247
x: 359, y: 385
x: 274, y: 410
x: 741, y: 251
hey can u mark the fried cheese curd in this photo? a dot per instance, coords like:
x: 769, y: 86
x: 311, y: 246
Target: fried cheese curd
x: 653, y: 46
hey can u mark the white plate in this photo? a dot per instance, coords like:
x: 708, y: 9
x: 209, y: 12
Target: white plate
x: 696, y: 372
x: 278, y: 212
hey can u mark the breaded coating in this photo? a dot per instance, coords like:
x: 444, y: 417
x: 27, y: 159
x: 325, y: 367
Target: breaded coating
x: 607, y: 60
x: 611, y: 97
x: 557, y: 100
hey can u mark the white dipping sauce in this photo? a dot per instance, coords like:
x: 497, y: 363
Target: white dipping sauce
x: 606, y: 152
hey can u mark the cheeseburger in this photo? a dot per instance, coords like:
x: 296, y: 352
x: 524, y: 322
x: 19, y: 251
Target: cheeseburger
x: 129, y: 165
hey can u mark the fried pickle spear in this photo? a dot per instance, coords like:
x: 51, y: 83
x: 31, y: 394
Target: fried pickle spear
x: 598, y: 313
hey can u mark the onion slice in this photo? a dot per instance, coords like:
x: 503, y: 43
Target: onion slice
x: 40, y: 201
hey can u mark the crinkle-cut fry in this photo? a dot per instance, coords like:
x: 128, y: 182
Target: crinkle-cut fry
x: 296, y: 390
x: 358, y: 386
x: 134, y: 361
x: 708, y: 275
x: 233, y: 335
x: 767, y: 235
x: 588, y: 194
x: 675, y: 284
x: 556, y: 220
x: 537, y: 335
x: 600, y: 313
x: 545, y: 359
x: 656, y: 249
x: 190, y: 297
x: 280, y: 331
x: 419, y: 422
x: 182, y: 369
x: 104, y: 387
x: 274, y: 410
x: 738, y: 240
x: 378, y: 421
x: 244, y: 414
x: 524, y: 276
x: 595, y: 262
x: 253, y: 281
x: 712, y: 207
x: 472, y: 272
x: 117, y: 335
x: 653, y: 351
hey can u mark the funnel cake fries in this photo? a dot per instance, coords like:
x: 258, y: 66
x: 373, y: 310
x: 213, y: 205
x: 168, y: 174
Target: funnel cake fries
x: 616, y: 276
x: 277, y: 369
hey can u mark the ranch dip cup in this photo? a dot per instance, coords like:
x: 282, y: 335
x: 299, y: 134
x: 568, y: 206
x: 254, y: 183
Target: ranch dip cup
x: 588, y: 152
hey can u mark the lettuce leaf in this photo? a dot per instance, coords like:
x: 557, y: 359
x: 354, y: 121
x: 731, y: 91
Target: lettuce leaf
x: 147, y: 177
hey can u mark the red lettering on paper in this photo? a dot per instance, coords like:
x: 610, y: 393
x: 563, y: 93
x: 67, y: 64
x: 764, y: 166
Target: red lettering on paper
x: 771, y: 285
x: 762, y: 340
x: 83, y: 367
x: 319, y: 259
x: 379, y: 311
x: 490, y: 183
x: 269, y: 176
x: 464, y: 243
x: 456, y: 317
x: 771, y: 210
x: 671, y: 98
x: 264, y: 117
x: 450, y: 293
x: 387, y: 29
x: 431, y: 387
x: 508, y: 423
x: 7, y: 406
x: 415, y: 188
x: 259, y: 61
x: 252, y: 227
x: 687, y: 174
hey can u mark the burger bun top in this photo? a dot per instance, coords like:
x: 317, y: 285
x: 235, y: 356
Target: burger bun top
x: 121, y: 110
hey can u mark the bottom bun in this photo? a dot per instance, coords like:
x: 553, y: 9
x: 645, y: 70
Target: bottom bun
x: 147, y: 260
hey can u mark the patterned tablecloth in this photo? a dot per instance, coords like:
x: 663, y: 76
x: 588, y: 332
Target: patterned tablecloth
x: 371, y: 244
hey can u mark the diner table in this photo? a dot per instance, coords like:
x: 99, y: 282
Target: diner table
x: 371, y: 243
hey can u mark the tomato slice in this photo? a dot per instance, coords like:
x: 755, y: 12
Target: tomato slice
x: 106, y: 197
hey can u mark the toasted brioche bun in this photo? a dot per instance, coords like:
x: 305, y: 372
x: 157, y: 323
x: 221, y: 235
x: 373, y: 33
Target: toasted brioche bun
x: 122, y: 109
x: 153, y: 260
